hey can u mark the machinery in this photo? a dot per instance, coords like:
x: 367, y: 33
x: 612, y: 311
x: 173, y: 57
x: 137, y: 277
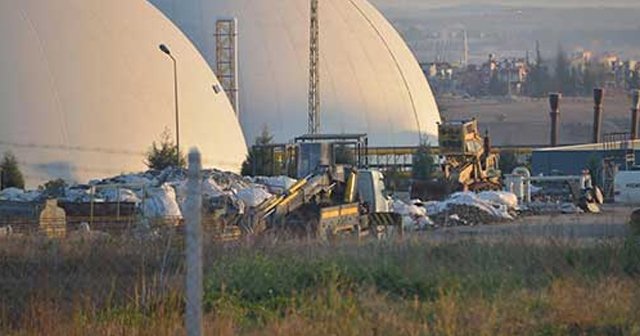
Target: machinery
x: 576, y: 189
x: 330, y: 198
x: 336, y: 193
x: 468, y: 165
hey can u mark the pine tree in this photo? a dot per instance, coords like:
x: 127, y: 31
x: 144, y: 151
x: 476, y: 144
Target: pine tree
x: 165, y: 154
x: 496, y: 86
x: 537, y: 84
x: 11, y: 175
x: 260, y: 159
x: 562, y: 76
x: 634, y: 81
x: 424, y: 163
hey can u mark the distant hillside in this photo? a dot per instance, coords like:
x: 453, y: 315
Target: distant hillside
x: 510, y: 28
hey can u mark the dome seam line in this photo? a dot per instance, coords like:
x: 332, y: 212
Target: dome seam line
x: 395, y: 60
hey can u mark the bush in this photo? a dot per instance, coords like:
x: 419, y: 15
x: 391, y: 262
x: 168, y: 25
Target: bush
x: 10, y: 172
x: 165, y: 154
x: 54, y: 188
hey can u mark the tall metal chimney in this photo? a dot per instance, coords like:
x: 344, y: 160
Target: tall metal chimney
x: 635, y: 111
x: 554, y: 103
x: 598, y: 94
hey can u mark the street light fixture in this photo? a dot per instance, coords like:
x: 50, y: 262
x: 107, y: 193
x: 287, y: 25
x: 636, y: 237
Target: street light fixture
x: 166, y: 50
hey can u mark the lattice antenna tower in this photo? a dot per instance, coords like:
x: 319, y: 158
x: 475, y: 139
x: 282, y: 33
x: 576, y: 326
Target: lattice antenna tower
x: 226, y: 37
x: 314, y: 70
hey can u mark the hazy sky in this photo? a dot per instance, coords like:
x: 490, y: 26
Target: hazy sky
x: 527, y: 3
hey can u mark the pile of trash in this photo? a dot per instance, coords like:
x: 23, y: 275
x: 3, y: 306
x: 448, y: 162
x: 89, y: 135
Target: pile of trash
x: 274, y: 184
x: 162, y: 194
x: 460, y: 209
x: 18, y: 195
x: 414, y: 216
x: 536, y: 208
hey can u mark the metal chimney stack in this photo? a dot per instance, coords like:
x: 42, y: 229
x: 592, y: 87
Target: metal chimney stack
x: 554, y: 103
x: 635, y: 110
x: 598, y: 94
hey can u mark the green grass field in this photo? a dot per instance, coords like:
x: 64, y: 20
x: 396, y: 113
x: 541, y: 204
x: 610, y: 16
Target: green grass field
x: 510, y: 286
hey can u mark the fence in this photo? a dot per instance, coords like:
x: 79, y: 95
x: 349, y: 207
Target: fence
x: 76, y: 268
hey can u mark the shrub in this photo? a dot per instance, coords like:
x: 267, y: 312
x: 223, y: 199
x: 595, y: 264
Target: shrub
x: 11, y: 176
x: 165, y: 154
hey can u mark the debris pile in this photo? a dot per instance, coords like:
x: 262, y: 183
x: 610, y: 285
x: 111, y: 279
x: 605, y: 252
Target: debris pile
x: 160, y: 202
x: 461, y: 209
x: 414, y: 216
x: 474, y: 209
x: 18, y: 195
x: 274, y: 184
x: 162, y: 194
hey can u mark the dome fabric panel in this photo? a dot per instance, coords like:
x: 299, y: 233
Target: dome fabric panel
x: 370, y: 80
x: 84, y: 90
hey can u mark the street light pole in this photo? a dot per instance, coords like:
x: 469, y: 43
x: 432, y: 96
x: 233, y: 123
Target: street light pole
x: 166, y: 50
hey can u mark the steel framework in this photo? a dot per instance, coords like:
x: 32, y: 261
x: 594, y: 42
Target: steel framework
x: 226, y: 37
x: 314, y: 70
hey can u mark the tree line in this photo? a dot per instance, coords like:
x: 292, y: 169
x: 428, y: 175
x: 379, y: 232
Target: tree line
x: 559, y: 75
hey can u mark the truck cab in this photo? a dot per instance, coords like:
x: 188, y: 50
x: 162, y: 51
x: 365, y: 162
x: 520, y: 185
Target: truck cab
x: 372, y: 191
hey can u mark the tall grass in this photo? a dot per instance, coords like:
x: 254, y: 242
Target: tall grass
x: 508, y: 286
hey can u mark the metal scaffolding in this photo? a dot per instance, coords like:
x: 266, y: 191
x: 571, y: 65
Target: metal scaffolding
x: 314, y: 70
x: 226, y: 37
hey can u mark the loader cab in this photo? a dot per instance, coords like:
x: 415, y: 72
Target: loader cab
x: 372, y: 191
x: 334, y: 151
x: 460, y: 137
x: 312, y: 156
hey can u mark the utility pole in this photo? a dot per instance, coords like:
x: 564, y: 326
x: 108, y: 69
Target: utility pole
x: 167, y: 51
x: 314, y: 70
x: 465, y: 52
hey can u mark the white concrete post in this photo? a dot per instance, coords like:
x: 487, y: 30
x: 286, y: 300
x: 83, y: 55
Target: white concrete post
x: 192, y: 215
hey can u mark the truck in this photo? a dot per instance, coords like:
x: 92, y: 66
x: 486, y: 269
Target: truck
x: 627, y: 187
x: 331, y: 198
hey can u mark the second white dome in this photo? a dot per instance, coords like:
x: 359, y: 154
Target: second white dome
x: 370, y: 81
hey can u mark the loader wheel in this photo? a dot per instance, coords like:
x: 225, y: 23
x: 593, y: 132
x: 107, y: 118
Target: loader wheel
x: 300, y: 226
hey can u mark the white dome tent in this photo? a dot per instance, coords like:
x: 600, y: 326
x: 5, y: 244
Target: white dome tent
x: 84, y: 90
x: 370, y: 81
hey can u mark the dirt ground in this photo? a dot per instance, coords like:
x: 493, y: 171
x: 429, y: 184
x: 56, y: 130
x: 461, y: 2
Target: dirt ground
x: 610, y: 224
x: 525, y: 121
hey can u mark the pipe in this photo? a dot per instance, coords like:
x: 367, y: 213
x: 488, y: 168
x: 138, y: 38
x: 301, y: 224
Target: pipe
x: 554, y: 103
x: 598, y: 94
x: 487, y: 143
x: 635, y: 113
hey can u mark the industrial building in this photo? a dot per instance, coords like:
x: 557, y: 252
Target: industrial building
x: 604, y: 157
x: 85, y: 90
x: 370, y: 82
x: 572, y: 160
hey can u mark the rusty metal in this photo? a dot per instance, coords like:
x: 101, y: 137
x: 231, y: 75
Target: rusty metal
x: 635, y: 113
x: 554, y: 103
x: 598, y: 95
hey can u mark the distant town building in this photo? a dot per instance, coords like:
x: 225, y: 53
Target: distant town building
x: 509, y: 76
x: 493, y: 77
